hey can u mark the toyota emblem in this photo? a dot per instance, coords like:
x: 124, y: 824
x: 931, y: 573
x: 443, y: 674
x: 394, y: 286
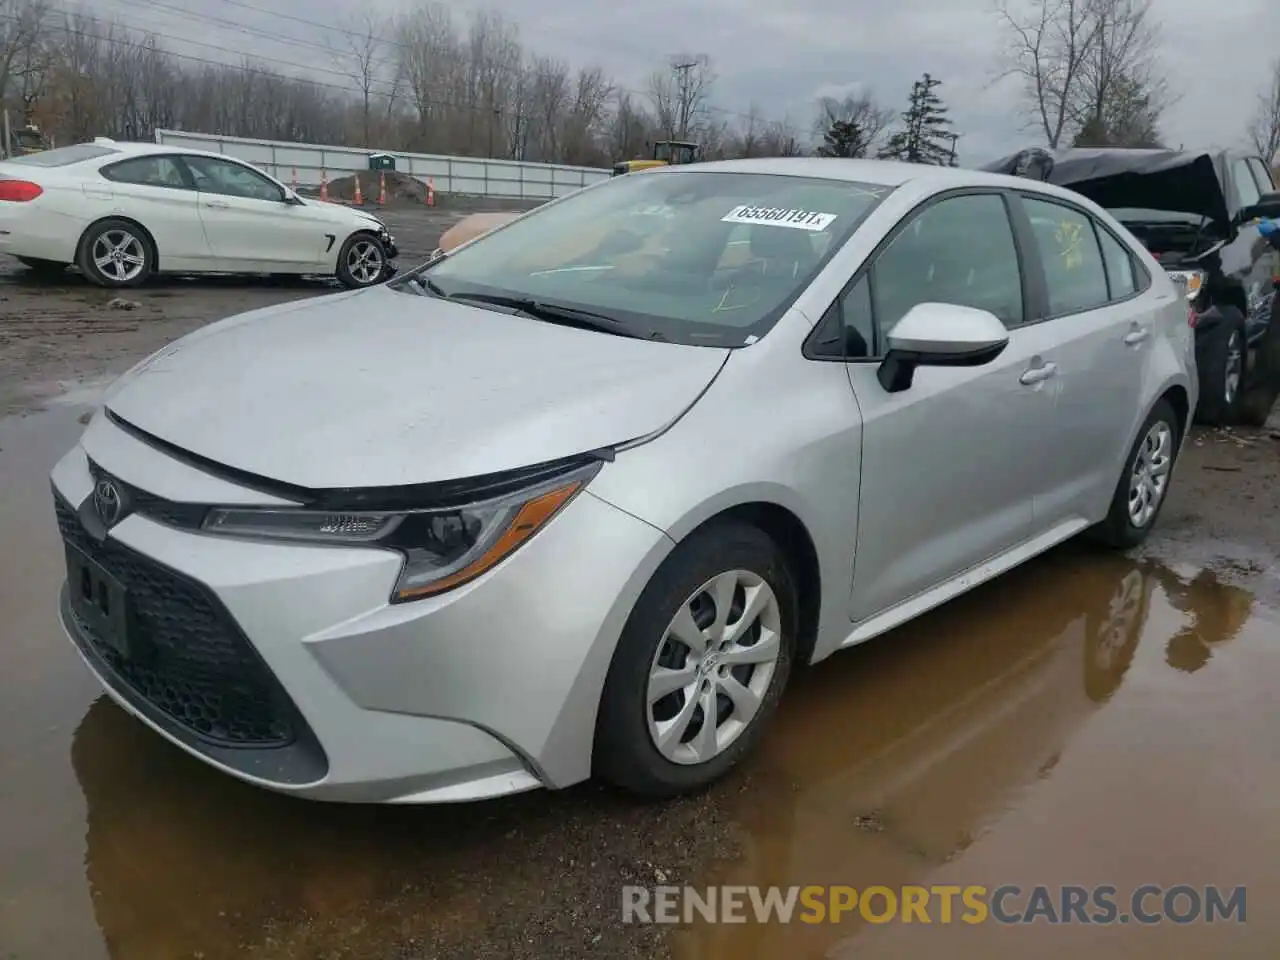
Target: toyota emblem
x: 107, y: 502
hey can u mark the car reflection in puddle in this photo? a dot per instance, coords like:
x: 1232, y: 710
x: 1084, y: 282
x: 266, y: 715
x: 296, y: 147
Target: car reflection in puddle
x: 889, y: 764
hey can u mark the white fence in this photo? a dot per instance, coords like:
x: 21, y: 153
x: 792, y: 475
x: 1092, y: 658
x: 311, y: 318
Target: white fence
x: 468, y: 176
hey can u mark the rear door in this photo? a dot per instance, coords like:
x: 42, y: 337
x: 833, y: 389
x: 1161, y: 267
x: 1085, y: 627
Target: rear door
x: 247, y: 222
x: 1100, y: 333
x: 156, y: 191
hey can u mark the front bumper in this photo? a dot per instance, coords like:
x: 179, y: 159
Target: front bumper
x: 284, y: 665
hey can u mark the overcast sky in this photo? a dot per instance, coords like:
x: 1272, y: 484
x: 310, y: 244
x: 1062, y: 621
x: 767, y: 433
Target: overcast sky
x: 783, y: 55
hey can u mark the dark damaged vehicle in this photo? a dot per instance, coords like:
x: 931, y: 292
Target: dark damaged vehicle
x: 1197, y: 213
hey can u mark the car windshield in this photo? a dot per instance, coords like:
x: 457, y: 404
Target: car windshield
x: 695, y: 257
x: 63, y: 156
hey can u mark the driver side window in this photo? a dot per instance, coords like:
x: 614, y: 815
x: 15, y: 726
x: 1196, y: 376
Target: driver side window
x: 231, y: 180
x: 961, y: 251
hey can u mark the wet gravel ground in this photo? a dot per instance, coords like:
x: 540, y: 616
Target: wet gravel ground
x: 64, y: 333
x: 1087, y: 719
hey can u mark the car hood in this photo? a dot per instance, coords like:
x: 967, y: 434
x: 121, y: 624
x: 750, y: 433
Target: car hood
x: 1172, y: 180
x: 382, y: 388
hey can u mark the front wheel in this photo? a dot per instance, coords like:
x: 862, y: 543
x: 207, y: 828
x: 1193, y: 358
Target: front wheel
x: 1144, y: 482
x: 116, y: 253
x: 700, y: 665
x: 362, y: 261
x: 1222, y: 372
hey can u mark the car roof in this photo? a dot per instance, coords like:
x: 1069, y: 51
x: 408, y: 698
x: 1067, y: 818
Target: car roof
x: 886, y: 173
x: 134, y: 148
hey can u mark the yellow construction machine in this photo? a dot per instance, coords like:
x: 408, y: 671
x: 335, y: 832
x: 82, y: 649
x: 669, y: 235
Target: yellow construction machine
x: 665, y: 152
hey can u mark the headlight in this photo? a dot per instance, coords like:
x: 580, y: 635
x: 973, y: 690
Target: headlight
x: 442, y: 548
x: 1189, y: 281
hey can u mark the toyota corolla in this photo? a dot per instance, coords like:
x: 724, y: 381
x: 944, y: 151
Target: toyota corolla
x: 574, y: 497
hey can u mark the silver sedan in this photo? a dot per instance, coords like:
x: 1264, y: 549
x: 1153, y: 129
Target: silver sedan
x: 573, y: 498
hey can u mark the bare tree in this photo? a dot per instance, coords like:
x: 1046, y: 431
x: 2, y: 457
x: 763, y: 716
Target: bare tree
x: 426, y: 82
x: 1264, y: 129
x: 680, y: 94
x: 1121, y: 87
x: 1087, y: 66
x: 859, y: 112
x: 1048, y: 44
x: 365, y: 62
x: 25, y: 51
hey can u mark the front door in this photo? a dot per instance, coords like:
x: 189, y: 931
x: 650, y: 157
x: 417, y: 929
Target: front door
x: 945, y: 478
x: 247, y: 223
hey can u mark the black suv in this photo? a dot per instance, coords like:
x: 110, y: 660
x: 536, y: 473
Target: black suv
x: 1196, y: 213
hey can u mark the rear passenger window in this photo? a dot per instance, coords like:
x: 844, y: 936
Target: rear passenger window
x: 1119, y: 266
x: 147, y: 171
x: 1073, y: 269
x: 959, y: 250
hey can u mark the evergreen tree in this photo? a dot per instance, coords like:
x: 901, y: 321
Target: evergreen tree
x: 925, y: 136
x: 845, y: 138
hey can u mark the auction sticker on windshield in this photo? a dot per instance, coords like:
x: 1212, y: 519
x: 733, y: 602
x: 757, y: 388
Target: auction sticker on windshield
x: 777, y: 217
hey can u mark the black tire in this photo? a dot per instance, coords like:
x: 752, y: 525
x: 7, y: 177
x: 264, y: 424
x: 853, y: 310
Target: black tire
x: 1118, y: 529
x: 625, y: 754
x: 1224, y: 346
x: 1263, y: 386
x: 44, y: 268
x: 358, y: 254
x: 113, y: 232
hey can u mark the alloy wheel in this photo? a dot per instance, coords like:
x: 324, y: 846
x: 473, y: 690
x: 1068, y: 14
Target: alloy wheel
x: 713, y: 667
x: 1234, y: 369
x: 119, y: 255
x: 1150, y: 476
x: 364, y: 262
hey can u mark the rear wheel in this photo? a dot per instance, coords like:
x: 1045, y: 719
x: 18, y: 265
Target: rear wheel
x: 700, y: 664
x: 1222, y: 372
x: 1144, y: 482
x: 43, y: 268
x: 116, y: 253
x: 362, y: 261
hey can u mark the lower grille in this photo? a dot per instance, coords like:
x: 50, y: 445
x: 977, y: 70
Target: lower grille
x: 188, y: 659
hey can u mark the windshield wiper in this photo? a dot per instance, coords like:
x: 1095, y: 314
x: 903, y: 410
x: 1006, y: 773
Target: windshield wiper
x: 550, y: 312
x: 424, y: 286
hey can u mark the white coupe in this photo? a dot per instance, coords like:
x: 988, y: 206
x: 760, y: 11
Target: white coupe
x: 123, y: 212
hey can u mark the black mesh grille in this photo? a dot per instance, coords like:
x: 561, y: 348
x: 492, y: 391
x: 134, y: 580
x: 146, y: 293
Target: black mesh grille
x: 187, y: 659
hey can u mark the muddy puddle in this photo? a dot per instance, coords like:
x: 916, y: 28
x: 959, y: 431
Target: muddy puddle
x: 1089, y: 720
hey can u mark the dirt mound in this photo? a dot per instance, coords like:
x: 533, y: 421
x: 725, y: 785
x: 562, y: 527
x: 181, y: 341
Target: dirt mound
x: 404, y: 190
x: 401, y: 188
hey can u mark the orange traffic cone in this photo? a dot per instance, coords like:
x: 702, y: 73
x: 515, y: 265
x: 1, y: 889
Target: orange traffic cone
x: 431, y: 191
x: 358, y: 199
x: 324, y: 187
x: 382, y: 189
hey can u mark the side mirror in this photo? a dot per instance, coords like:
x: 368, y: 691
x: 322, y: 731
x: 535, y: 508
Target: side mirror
x: 940, y: 335
x: 1268, y: 205
x: 292, y: 199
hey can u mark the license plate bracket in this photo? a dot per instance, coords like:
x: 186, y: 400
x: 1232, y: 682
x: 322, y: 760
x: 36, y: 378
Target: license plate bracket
x: 99, y: 599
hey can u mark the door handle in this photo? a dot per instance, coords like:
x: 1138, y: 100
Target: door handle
x: 1038, y: 374
x: 217, y: 204
x: 1136, y: 335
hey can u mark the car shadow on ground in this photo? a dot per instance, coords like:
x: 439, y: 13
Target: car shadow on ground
x: 72, y: 279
